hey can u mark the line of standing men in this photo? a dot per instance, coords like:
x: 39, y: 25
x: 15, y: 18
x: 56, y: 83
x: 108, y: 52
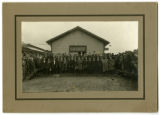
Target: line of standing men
x: 33, y: 64
x: 65, y: 64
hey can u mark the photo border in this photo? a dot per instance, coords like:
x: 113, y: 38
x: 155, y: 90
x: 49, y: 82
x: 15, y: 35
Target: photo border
x: 143, y: 98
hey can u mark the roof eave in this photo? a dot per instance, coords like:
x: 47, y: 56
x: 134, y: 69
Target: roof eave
x: 106, y: 43
x: 48, y: 42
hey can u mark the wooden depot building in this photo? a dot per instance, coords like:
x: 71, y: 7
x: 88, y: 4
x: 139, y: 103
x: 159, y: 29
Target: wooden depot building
x: 77, y: 40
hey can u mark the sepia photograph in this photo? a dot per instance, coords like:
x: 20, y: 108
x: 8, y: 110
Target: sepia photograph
x: 79, y: 56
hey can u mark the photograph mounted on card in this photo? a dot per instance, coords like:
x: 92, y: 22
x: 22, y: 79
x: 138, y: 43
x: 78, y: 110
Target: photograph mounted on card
x: 80, y: 55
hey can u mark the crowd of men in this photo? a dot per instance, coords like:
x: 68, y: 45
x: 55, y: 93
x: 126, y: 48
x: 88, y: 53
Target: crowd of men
x: 62, y: 63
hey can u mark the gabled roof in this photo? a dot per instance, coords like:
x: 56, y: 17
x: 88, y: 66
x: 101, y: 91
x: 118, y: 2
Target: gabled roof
x: 32, y: 47
x: 74, y: 29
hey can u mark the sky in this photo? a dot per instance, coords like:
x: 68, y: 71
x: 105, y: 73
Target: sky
x: 122, y: 35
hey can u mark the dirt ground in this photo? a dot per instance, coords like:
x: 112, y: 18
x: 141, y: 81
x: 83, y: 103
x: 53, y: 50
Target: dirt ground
x: 74, y: 83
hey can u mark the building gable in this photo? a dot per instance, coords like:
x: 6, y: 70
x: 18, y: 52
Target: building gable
x: 79, y: 29
x: 77, y: 38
